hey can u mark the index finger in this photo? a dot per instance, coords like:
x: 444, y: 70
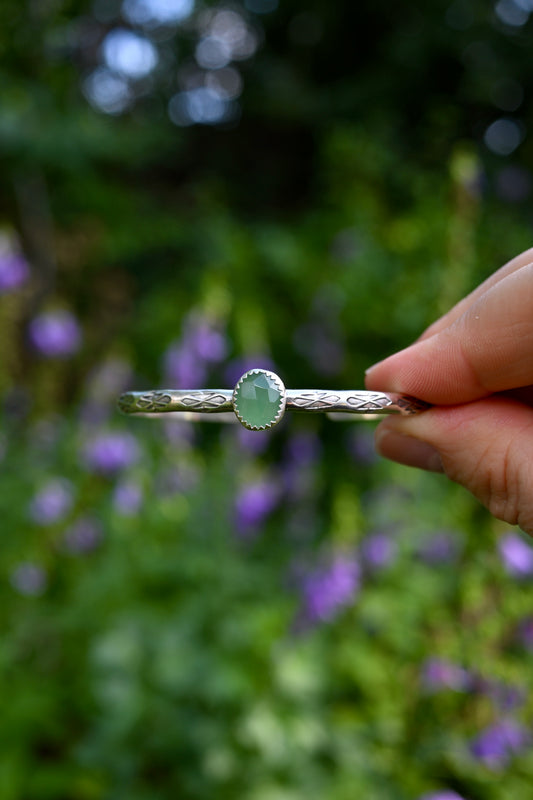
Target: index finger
x: 458, y: 310
x: 488, y: 348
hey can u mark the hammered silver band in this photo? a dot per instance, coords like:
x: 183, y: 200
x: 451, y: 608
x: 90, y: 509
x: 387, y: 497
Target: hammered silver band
x: 198, y: 402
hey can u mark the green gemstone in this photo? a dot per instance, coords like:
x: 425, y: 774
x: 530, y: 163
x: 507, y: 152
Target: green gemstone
x: 257, y: 400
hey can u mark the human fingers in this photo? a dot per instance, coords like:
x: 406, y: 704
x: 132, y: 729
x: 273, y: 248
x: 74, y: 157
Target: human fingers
x: 485, y: 446
x: 487, y: 349
x: 447, y: 319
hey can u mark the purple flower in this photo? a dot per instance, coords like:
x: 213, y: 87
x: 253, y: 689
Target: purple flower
x: 128, y: 498
x: 378, y: 550
x: 183, y: 368
x: 253, y: 504
x: 14, y: 271
x: 29, y: 579
x: 299, y: 473
x: 55, y: 334
x: 52, y: 502
x: 525, y: 633
x: 496, y: 745
x: 438, y: 674
x: 186, y: 360
x: 206, y: 340
x: 239, y: 366
x: 442, y: 794
x: 516, y: 555
x: 178, y: 433
x: 111, y: 452
x: 440, y: 548
x: 249, y: 441
x: 327, y: 589
x: 83, y: 536
x: 303, y: 449
x: 361, y: 447
x: 504, y: 696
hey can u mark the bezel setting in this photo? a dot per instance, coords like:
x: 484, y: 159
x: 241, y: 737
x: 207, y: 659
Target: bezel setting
x: 278, y: 385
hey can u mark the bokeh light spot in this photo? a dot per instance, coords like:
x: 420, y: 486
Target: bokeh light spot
x: 229, y: 27
x: 202, y: 106
x: 213, y: 52
x: 107, y: 91
x: 503, y: 136
x: 512, y: 12
x: 226, y: 82
x: 129, y: 54
x: 157, y: 12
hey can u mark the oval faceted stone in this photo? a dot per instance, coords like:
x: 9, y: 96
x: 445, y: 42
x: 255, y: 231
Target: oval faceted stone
x: 259, y: 399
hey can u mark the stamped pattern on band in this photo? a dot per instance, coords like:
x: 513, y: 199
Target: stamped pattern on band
x: 315, y: 401
x: 154, y: 401
x: 203, y: 401
x: 411, y: 405
x: 368, y: 401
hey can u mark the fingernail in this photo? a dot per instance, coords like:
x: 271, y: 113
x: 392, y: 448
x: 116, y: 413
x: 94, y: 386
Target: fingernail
x: 407, y: 450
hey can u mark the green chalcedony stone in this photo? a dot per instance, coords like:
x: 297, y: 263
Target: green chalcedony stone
x: 257, y: 400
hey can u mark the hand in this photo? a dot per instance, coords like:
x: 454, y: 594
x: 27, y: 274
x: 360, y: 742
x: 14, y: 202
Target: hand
x: 476, y: 365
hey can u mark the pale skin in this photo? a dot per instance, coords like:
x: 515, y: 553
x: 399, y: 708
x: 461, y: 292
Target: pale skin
x: 475, y: 365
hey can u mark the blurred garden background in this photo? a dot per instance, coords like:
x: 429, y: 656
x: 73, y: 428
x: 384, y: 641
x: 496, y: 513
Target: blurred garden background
x: 191, y: 188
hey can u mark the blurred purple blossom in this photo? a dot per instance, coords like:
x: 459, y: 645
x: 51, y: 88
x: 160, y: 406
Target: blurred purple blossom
x: 29, y: 579
x: 442, y: 794
x: 504, y: 696
x: 516, y: 555
x: 83, y: 536
x: 111, y: 452
x: 206, y: 340
x: 496, y: 745
x: 525, y: 633
x: 329, y: 588
x: 378, y: 550
x: 128, y: 497
x: 254, y: 503
x: 301, y: 455
x: 440, y: 547
x: 186, y: 360
x: 14, y: 271
x: 178, y: 432
x: 55, y: 334
x: 52, y: 502
x: 239, y: 366
x: 303, y: 448
x: 361, y: 447
x: 249, y: 441
x: 183, y: 369
x: 438, y: 674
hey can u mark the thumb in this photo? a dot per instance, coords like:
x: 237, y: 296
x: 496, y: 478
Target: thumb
x: 486, y: 446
